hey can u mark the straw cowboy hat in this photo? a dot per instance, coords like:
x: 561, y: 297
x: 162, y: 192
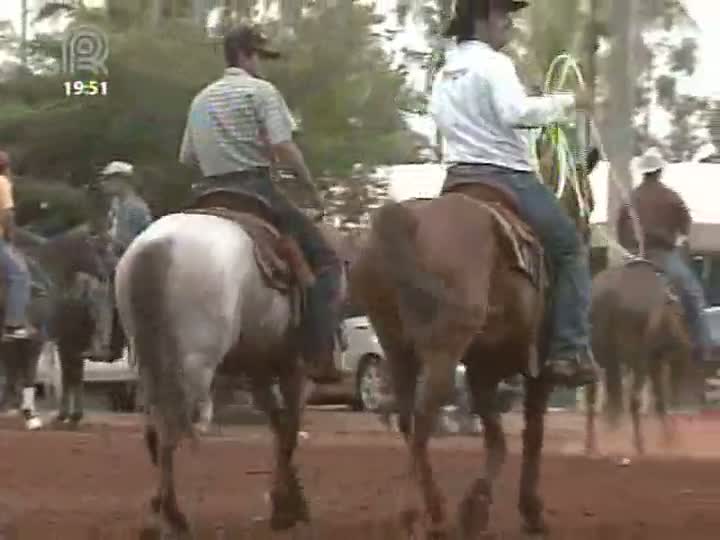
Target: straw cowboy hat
x: 650, y: 162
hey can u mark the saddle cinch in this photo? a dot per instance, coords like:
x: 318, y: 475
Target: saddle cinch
x: 522, y: 243
x: 278, y: 256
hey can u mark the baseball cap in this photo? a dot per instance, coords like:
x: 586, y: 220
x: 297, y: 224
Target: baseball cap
x: 250, y: 38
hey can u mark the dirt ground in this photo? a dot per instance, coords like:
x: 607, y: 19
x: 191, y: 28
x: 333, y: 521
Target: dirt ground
x: 95, y: 483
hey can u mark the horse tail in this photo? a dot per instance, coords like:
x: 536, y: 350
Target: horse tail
x: 420, y: 293
x: 613, y: 387
x: 153, y: 343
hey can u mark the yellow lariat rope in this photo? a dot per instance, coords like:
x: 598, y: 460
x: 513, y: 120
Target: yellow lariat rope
x: 567, y: 171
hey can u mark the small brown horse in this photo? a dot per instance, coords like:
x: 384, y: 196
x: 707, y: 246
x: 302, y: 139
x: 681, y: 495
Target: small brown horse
x: 441, y: 283
x: 638, y: 325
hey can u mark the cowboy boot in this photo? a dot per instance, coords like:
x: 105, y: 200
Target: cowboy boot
x: 573, y: 371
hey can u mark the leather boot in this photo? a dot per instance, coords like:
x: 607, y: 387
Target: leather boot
x: 18, y: 333
x: 572, y: 371
x: 320, y: 324
x: 320, y: 365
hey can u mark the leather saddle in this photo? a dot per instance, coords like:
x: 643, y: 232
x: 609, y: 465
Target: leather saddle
x: 522, y: 245
x: 278, y: 256
x: 670, y: 288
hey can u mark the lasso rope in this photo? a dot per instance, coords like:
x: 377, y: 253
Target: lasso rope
x: 567, y: 165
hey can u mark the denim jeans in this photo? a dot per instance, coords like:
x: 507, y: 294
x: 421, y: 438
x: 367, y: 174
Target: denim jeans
x: 19, y: 284
x: 323, y: 314
x: 558, y: 234
x: 690, y: 291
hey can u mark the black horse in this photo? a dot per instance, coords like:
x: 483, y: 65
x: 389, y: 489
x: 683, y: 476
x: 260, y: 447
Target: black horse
x: 68, y: 273
x: 73, y: 273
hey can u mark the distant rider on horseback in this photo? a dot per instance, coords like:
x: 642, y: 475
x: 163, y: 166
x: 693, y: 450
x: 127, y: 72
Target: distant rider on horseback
x: 235, y: 127
x: 665, y: 224
x: 17, y: 276
x: 480, y: 106
x: 119, y: 216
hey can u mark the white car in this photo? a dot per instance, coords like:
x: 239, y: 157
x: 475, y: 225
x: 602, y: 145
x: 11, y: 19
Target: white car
x: 360, y: 364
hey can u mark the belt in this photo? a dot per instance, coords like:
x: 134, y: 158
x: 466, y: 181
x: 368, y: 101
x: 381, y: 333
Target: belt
x: 473, y: 166
x: 239, y: 175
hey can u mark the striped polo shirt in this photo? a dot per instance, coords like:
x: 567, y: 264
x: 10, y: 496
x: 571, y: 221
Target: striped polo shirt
x: 231, y: 122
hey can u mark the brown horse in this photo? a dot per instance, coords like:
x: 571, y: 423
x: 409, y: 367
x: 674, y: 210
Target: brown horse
x: 460, y: 279
x: 638, y: 325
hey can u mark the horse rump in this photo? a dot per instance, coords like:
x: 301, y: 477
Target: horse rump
x: 420, y: 293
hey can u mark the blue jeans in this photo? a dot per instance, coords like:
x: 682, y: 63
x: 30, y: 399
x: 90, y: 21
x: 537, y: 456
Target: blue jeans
x: 558, y: 234
x: 690, y: 291
x: 19, y: 284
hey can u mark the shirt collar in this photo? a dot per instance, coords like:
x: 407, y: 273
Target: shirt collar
x: 473, y: 44
x: 236, y: 72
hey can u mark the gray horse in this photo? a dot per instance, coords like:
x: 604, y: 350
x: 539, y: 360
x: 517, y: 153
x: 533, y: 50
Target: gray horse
x: 192, y: 298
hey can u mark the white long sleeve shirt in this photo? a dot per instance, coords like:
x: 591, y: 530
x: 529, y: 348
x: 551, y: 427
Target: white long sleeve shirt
x: 483, y: 112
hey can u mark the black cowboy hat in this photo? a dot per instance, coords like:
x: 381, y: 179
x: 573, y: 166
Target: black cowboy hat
x: 250, y: 38
x: 462, y: 11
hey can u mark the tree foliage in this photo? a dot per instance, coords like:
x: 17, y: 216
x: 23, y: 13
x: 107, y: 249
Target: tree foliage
x: 336, y: 79
x: 550, y: 27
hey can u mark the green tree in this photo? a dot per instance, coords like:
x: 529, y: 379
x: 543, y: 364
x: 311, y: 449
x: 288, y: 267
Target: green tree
x: 336, y: 78
x: 550, y: 27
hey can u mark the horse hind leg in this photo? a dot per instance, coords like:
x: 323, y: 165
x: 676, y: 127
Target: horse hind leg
x: 78, y: 390
x: 659, y: 384
x: 166, y: 500
x: 289, y: 505
x: 72, y: 408
x: 205, y: 425
x: 474, y: 510
x: 591, y: 394
x: 537, y: 393
x: 30, y: 414
x: 638, y: 384
x: 11, y: 398
x: 401, y: 374
x: 161, y: 441
x: 435, y: 389
x: 30, y: 354
x: 164, y: 503
x: 70, y: 364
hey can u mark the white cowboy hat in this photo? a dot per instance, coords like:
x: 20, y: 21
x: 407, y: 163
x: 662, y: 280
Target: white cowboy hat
x: 117, y: 167
x: 650, y: 162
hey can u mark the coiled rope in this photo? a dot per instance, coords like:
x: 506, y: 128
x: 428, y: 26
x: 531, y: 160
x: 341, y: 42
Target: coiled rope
x: 567, y: 169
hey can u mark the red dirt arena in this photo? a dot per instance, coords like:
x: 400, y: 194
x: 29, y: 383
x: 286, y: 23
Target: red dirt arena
x: 95, y: 483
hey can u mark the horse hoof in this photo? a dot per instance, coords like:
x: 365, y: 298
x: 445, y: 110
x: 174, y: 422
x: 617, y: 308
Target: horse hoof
x: 282, y: 522
x: 150, y: 533
x: 437, y: 532
x: 288, y: 510
x: 474, y: 516
x: 286, y: 516
x: 537, y: 530
x: 61, y: 422
x: 208, y: 430
x: 33, y: 423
